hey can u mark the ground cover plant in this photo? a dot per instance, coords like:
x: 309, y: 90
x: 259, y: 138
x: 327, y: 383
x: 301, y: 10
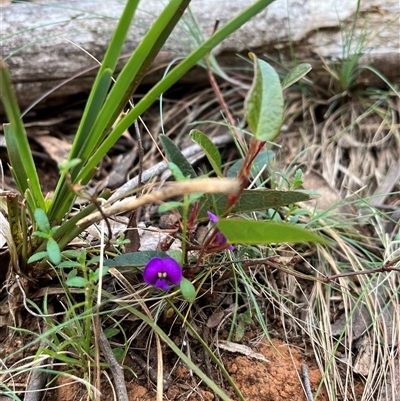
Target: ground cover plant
x: 221, y: 281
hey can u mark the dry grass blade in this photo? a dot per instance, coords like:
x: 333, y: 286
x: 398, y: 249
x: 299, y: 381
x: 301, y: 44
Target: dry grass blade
x: 209, y: 186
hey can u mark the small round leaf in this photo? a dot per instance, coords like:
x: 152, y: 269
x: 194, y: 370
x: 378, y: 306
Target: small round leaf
x: 188, y: 290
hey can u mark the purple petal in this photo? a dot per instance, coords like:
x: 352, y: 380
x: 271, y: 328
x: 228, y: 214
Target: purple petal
x: 173, y: 270
x: 162, y: 283
x: 212, y: 217
x: 150, y: 272
x: 219, y: 239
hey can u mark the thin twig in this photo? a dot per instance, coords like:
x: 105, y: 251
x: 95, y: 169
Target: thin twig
x: 201, y: 185
x: 115, y: 368
x: 387, y: 267
x: 35, y: 389
x: 306, y: 383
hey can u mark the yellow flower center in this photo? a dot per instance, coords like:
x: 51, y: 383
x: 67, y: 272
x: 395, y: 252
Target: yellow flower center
x: 162, y: 275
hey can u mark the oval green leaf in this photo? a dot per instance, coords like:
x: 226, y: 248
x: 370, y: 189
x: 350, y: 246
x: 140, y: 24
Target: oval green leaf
x: 264, y: 102
x: 42, y: 220
x: 73, y: 280
x: 210, y: 150
x: 251, y: 200
x: 264, y: 232
x: 174, y: 155
x: 37, y: 256
x: 188, y: 290
x: 54, y: 251
x: 295, y: 74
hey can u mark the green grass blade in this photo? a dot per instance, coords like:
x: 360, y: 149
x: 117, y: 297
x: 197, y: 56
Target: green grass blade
x: 173, y: 76
x: 218, y: 391
x: 137, y: 66
x: 103, y: 79
x: 127, y: 82
x: 63, y: 197
x: 21, y: 160
x: 81, y: 146
x: 382, y: 77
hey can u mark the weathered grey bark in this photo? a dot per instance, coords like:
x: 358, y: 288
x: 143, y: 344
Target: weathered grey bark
x: 47, y: 44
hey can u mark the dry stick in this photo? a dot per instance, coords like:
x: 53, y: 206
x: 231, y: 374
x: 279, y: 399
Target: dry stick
x: 271, y: 263
x: 115, y: 368
x: 306, y: 383
x: 387, y: 267
x: 96, y: 316
x: 36, y: 386
x: 170, y: 190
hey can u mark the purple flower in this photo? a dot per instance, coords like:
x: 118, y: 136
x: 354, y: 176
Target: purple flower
x: 219, y: 239
x: 162, y: 273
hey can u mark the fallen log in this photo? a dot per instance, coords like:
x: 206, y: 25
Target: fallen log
x: 57, y: 44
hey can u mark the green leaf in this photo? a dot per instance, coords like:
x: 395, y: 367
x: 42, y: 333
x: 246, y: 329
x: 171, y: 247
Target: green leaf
x: 295, y: 74
x: 42, y: 220
x: 264, y: 102
x: 54, y: 251
x: 82, y: 256
x: 250, y: 201
x: 188, y: 290
x: 244, y: 320
x: 174, y: 155
x: 75, y: 281
x: 134, y: 258
x: 176, y: 254
x: 176, y: 172
x: 71, y: 253
x: 119, y: 353
x: 41, y: 234
x: 83, y: 143
x: 37, y: 256
x: 133, y: 72
x: 211, y: 151
x: 68, y: 264
x: 264, y: 232
x: 111, y: 332
x: 259, y: 162
x: 297, y: 181
x: 95, y: 275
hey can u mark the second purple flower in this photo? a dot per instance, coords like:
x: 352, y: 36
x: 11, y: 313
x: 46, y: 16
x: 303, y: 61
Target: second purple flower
x: 220, y: 239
